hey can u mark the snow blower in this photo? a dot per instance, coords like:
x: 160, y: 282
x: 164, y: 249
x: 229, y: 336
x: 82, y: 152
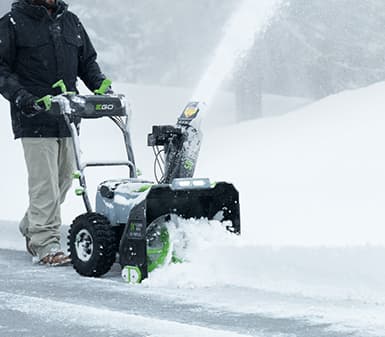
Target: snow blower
x: 130, y: 215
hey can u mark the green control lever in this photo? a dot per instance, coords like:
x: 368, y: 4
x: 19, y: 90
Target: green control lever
x: 46, y: 101
x: 60, y: 84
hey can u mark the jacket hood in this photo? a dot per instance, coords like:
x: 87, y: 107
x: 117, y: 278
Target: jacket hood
x: 38, y: 12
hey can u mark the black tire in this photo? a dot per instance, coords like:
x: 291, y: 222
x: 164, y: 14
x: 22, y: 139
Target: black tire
x: 92, y: 245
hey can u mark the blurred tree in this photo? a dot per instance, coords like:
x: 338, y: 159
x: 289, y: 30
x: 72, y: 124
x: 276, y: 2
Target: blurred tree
x: 321, y: 47
x: 314, y: 49
x: 155, y: 41
x: 116, y: 30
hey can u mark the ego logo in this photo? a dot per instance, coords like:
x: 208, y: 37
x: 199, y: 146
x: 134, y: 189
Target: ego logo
x: 104, y: 107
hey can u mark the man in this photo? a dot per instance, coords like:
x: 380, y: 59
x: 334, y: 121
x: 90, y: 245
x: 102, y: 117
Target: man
x: 41, y: 42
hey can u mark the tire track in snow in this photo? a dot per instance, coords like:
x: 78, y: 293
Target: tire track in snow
x: 104, y: 318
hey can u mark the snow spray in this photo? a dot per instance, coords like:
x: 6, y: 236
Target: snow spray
x: 239, y: 35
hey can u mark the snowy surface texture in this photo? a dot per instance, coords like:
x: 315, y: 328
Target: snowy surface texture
x: 228, y: 288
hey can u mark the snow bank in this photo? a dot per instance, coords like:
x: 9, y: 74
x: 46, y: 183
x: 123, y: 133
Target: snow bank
x: 311, y: 177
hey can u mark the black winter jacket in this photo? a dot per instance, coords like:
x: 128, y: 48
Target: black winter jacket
x: 36, y: 51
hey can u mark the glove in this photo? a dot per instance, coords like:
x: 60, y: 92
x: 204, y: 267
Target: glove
x: 109, y: 91
x: 26, y: 102
x: 105, y: 88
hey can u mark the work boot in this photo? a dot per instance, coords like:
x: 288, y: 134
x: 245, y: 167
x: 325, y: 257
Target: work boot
x: 56, y: 259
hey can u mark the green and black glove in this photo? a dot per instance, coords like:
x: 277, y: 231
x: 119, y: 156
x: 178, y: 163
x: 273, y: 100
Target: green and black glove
x: 105, y: 88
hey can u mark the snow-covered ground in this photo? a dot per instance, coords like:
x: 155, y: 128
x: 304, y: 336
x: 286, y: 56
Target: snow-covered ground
x: 312, y: 188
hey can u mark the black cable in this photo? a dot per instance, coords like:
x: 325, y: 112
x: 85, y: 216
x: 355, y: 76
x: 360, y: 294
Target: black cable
x: 119, y: 121
x: 160, y: 151
x: 158, y: 164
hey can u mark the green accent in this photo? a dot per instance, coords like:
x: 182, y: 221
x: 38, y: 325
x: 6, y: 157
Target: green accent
x: 188, y: 165
x: 143, y: 188
x: 129, y: 270
x: 103, y: 87
x: 60, y: 84
x: 132, y: 227
x: 47, y: 101
x: 76, y: 175
x: 162, y: 252
x: 176, y: 259
x: 153, y: 251
x: 79, y: 191
x: 139, y: 172
x: 98, y: 107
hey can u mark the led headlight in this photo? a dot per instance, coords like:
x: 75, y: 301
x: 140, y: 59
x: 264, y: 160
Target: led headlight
x: 186, y: 184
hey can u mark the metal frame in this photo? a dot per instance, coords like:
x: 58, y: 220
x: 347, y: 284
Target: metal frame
x: 120, y: 122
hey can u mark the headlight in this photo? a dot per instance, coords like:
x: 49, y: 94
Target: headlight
x: 190, y: 184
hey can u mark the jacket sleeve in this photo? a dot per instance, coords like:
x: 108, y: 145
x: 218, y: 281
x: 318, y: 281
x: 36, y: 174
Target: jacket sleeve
x: 9, y: 82
x: 89, y: 70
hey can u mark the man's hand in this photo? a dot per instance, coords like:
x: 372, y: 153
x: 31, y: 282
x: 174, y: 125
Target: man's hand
x: 109, y: 91
x: 105, y: 88
x: 26, y: 102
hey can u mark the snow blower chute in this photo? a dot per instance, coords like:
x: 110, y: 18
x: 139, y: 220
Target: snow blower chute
x: 130, y: 214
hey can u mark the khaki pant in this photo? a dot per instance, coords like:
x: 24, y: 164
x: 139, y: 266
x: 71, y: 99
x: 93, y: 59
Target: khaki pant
x: 50, y: 163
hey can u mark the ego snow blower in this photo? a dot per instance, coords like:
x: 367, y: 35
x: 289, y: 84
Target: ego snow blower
x: 130, y: 215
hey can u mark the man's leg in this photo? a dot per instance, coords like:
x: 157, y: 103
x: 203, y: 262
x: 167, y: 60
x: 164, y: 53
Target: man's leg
x: 41, y: 156
x: 24, y: 225
x: 66, y: 164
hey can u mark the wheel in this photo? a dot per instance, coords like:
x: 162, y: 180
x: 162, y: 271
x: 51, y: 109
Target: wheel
x: 92, y: 244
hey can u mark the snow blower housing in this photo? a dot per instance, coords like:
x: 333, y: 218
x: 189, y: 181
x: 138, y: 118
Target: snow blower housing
x: 130, y: 214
